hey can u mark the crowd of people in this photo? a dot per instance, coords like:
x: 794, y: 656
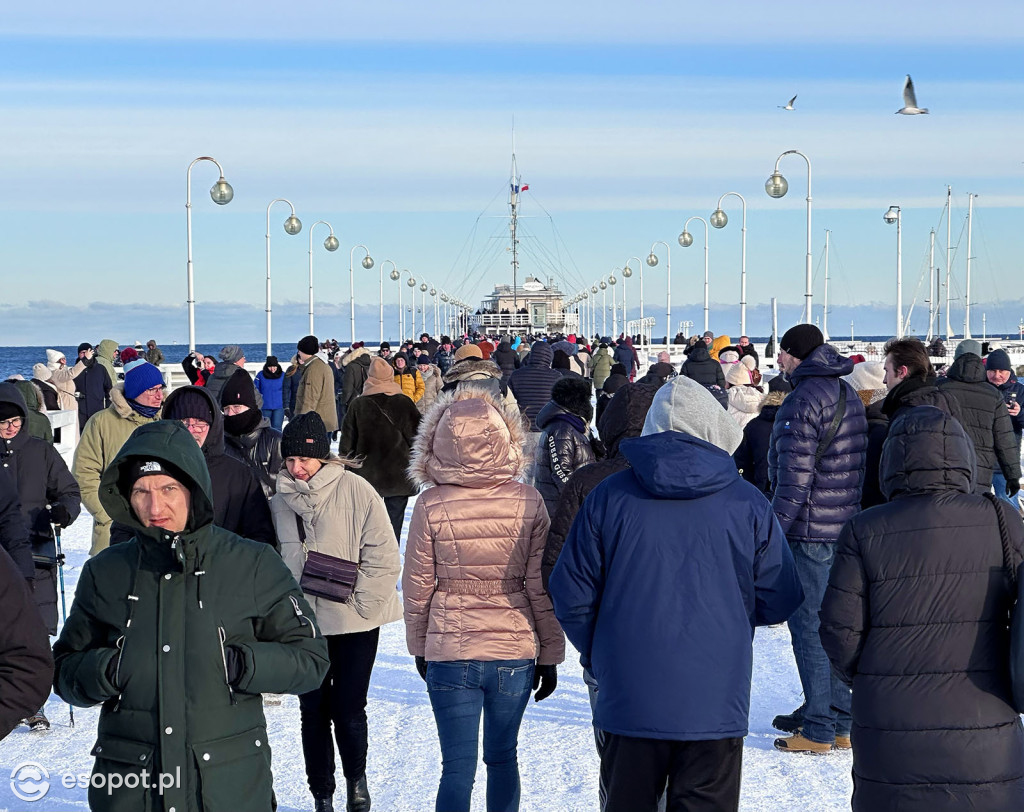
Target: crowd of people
x: 654, y: 515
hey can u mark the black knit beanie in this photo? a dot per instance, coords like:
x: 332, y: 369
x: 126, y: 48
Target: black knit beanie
x: 801, y: 340
x: 188, y: 402
x: 309, y: 345
x: 239, y: 389
x: 305, y: 436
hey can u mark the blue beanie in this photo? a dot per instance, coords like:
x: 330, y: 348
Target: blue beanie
x: 141, y: 377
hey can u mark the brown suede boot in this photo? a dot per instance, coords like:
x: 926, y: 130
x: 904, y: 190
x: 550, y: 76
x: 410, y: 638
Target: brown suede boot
x: 843, y: 743
x: 798, y: 744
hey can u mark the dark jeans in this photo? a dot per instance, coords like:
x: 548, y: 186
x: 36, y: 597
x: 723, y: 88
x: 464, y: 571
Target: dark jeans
x: 341, y: 701
x: 275, y: 416
x: 826, y: 710
x: 396, y: 512
x: 702, y: 776
x: 459, y: 691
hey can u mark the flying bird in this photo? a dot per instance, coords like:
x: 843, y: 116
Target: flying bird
x: 788, y: 106
x: 910, y: 107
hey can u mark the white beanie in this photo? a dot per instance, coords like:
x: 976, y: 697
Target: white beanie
x: 867, y: 376
x: 684, y: 405
x: 41, y: 372
x: 53, y: 358
x: 749, y: 362
x: 738, y: 375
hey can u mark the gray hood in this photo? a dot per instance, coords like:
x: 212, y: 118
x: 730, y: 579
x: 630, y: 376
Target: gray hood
x: 686, y: 406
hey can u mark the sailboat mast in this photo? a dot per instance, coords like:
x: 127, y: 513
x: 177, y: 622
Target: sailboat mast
x: 949, y: 256
x: 513, y: 204
x: 824, y: 314
x: 932, y: 303
x: 967, y: 296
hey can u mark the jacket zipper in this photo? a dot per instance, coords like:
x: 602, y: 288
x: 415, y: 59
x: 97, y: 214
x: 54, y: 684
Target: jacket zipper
x: 222, y: 636
x: 302, y: 618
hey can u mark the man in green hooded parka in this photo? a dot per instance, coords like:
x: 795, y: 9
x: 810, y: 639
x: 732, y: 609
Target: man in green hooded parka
x: 177, y: 633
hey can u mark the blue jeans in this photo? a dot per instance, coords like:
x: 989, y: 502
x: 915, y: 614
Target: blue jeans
x: 459, y: 690
x: 826, y: 711
x: 275, y: 416
x: 999, y: 486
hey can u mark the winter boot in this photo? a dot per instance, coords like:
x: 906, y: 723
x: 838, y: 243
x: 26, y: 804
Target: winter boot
x: 358, y: 795
x: 323, y: 804
x: 798, y: 744
x: 843, y: 742
x: 38, y: 721
x: 789, y: 722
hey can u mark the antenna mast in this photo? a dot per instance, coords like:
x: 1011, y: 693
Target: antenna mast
x: 513, y: 205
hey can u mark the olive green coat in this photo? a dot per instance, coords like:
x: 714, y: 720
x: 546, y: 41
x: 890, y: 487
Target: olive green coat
x: 105, y: 357
x: 170, y: 603
x: 316, y: 392
x: 102, y: 438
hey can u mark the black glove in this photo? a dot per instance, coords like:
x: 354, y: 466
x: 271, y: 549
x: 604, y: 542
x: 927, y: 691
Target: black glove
x: 60, y: 515
x: 421, y: 667
x: 111, y: 672
x: 545, y: 680
x: 234, y: 662
x: 1012, y: 487
x: 287, y: 414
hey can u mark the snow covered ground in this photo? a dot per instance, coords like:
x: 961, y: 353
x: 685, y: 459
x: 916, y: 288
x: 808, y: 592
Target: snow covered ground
x: 556, y: 752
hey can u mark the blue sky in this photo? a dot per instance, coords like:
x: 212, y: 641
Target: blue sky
x: 394, y: 124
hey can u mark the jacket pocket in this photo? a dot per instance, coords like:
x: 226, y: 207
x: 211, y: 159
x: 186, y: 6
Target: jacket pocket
x: 515, y: 681
x: 122, y: 763
x: 234, y: 772
x: 221, y: 638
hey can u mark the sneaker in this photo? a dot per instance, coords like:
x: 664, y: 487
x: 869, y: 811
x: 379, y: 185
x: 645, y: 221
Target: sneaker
x: 789, y: 722
x: 843, y: 742
x: 38, y: 721
x: 798, y: 744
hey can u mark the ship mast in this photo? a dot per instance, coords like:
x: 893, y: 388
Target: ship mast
x: 513, y: 206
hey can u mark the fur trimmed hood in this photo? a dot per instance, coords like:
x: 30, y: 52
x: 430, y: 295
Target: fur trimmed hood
x: 354, y: 355
x: 773, y: 399
x: 470, y: 439
x: 472, y: 369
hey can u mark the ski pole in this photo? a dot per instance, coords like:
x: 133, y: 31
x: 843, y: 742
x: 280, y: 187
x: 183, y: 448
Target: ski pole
x: 63, y: 599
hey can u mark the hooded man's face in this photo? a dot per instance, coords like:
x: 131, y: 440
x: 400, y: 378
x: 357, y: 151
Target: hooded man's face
x: 161, y: 501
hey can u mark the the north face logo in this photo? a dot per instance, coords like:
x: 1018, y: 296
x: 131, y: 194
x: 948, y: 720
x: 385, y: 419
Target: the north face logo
x: 151, y: 467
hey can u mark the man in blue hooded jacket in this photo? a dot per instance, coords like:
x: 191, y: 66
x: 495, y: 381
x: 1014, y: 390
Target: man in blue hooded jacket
x: 816, y: 462
x: 666, y: 571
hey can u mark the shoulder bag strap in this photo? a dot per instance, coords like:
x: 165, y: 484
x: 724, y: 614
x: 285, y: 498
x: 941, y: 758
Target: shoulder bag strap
x: 837, y: 418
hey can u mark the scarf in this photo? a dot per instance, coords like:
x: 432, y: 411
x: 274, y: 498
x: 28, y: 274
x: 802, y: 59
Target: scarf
x: 145, y: 411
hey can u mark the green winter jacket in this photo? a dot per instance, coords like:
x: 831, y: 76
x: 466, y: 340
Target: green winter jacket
x: 105, y: 356
x: 38, y: 424
x: 601, y: 366
x: 171, y: 603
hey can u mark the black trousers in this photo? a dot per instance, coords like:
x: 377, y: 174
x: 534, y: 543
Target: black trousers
x: 396, y: 512
x: 702, y: 776
x: 341, y: 701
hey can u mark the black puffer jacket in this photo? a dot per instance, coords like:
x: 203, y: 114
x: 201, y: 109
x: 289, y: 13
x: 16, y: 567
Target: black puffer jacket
x: 13, y: 533
x: 260, y: 449
x: 380, y: 429
x: 531, y: 383
x: 239, y: 505
x: 701, y: 367
x: 878, y: 430
x: 42, y: 478
x: 26, y: 665
x: 911, y: 392
x: 985, y: 420
x: 507, y: 360
x: 752, y: 456
x: 355, y: 368
x: 561, y: 451
x: 813, y: 503
x: 623, y: 418
x: 92, y: 388
x: 915, y: 616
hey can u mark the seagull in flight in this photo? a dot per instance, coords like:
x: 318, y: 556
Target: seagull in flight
x: 910, y: 107
x: 789, y: 105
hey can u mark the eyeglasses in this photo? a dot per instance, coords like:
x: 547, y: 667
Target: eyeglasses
x: 13, y: 423
x: 195, y: 423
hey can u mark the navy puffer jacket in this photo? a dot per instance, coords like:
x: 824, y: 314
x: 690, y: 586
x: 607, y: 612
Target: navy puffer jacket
x: 531, y: 383
x: 813, y: 503
x: 915, y: 617
x: 701, y: 367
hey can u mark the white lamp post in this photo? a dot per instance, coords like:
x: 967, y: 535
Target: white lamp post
x: 777, y: 186
x: 394, y: 268
x: 719, y: 219
x: 615, y: 308
x: 367, y: 263
x: 221, y: 193
x: 291, y: 226
x: 894, y: 215
x: 686, y: 240
x: 652, y: 260
x: 331, y: 244
x: 627, y: 272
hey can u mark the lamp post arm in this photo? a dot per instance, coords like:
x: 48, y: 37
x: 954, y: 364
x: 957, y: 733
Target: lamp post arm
x: 312, y: 228
x: 352, y: 291
x: 191, y: 301
x: 668, y: 295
